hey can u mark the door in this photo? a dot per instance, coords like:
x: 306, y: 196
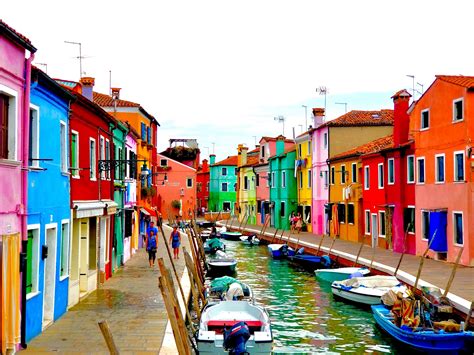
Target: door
x: 49, y: 276
x: 103, y: 242
x: 226, y: 206
x: 374, y: 230
x: 84, y: 255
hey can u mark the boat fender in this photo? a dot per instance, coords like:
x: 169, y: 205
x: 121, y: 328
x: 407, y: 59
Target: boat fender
x: 235, y: 339
x: 326, y: 261
x: 356, y: 274
x: 300, y: 251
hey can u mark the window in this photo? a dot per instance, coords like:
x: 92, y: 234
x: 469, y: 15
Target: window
x: 382, y: 224
x: 268, y: 179
x: 458, y: 228
x: 439, y: 167
x: 300, y: 178
x: 257, y: 180
x: 420, y: 165
x: 148, y: 135
x: 143, y: 131
x: 333, y: 173
x: 63, y: 146
x: 425, y: 119
x: 459, y: 166
x: 8, y: 123
x: 107, y: 156
x: 309, y: 178
x: 326, y: 178
x: 133, y: 167
x: 425, y: 225
x: 246, y: 183
x: 391, y: 171
x: 75, y: 154
x: 325, y: 137
x: 236, y: 171
x: 32, y: 254
x: 343, y: 174
x: 380, y: 175
x: 207, y: 185
x: 283, y: 179
x: 354, y: 172
x: 224, y: 187
x: 409, y: 219
x: 341, y: 212
x: 366, y: 178
x: 367, y: 221
x: 235, y: 186
x: 410, y: 169
x: 163, y: 162
x: 64, y: 262
x: 350, y: 213
x: 458, y: 110
x: 92, y: 159
x: 309, y: 147
x: 119, y: 169
x: 262, y: 152
x: 102, y: 154
x: 189, y: 182
x: 33, y: 153
x: 224, y: 172
x: 282, y: 209
x: 273, y: 179
x: 299, y: 150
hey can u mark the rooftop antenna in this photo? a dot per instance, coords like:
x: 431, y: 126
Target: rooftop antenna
x: 323, y: 91
x: 80, y: 55
x: 281, y: 119
x: 342, y: 103
x: 305, y: 116
x: 255, y: 140
x: 44, y: 65
x: 422, y: 91
x: 213, y: 146
x: 208, y: 153
x: 110, y: 82
x: 301, y: 127
x: 413, y: 86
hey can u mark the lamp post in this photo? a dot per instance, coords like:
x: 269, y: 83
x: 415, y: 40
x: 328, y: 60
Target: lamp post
x: 305, y: 116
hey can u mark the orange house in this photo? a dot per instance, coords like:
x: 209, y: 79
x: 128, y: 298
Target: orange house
x: 442, y: 124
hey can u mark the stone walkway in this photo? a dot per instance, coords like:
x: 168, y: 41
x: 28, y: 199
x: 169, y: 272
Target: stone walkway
x: 131, y: 303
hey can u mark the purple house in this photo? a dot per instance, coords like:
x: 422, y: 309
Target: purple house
x: 16, y: 55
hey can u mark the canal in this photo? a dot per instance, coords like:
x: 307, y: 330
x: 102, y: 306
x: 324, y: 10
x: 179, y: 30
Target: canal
x: 305, y: 316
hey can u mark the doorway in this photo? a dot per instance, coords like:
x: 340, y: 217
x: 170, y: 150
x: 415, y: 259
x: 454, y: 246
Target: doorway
x: 49, y: 275
x: 226, y: 206
x: 374, y: 230
x: 83, y: 255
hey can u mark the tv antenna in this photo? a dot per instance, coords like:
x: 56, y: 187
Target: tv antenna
x: 80, y: 57
x: 323, y: 91
x: 45, y: 65
x: 281, y: 119
x: 342, y: 103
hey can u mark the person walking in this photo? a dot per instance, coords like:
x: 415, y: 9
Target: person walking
x: 151, y: 247
x: 299, y: 222
x: 175, y: 240
x: 292, y: 222
x: 151, y: 228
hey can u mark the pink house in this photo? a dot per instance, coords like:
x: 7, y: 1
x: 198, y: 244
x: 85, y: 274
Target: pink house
x: 15, y: 74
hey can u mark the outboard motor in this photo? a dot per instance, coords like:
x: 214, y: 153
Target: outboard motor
x: 235, y: 339
x: 356, y: 274
x: 326, y: 261
x: 284, y: 249
x: 300, y: 251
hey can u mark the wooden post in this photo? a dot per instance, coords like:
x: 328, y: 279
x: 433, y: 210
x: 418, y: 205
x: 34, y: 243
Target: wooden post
x: 242, y: 221
x: 196, y: 256
x: 281, y: 235
x: 373, y: 257
x: 245, y: 225
x: 192, y: 267
x: 332, y: 244
x: 358, y: 253
x: 274, y: 235
x: 467, y: 321
x: 320, y: 243
x: 453, y: 272
x: 404, y: 249
x: 109, y: 339
x: 267, y: 222
x: 422, y: 260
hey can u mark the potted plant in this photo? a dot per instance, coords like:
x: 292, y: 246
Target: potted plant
x: 175, y: 204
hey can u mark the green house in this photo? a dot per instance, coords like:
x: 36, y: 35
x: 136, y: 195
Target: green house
x: 222, y: 184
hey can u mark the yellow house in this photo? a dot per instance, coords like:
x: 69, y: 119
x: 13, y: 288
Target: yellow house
x: 246, y: 184
x: 304, y: 179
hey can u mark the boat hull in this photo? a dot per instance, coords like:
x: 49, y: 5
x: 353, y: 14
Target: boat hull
x: 221, y: 268
x: 277, y: 253
x: 424, y: 340
x: 308, y: 262
x: 231, y: 235
x: 356, y: 297
x: 331, y: 275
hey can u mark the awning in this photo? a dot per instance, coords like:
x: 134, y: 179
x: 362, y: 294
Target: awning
x: 88, y: 209
x: 111, y: 206
x: 148, y: 211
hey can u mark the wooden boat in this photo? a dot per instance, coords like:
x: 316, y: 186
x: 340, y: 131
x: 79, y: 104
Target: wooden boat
x: 221, y: 265
x: 339, y: 274
x: 311, y: 262
x: 280, y: 251
x: 250, y: 239
x: 366, y: 290
x: 229, y: 235
x: 212, y: 245
x: 430, y: 340
x: 255, y: 337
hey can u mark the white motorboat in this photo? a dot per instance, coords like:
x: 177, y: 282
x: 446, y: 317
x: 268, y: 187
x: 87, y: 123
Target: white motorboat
x: 339, y: 274
x: 225, y: 287
x: 250, y: 239
x: 234, y: 327
x: 367, y: 290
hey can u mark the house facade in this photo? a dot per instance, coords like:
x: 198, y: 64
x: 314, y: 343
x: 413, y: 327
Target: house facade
x: 246, y: 189
x: 203, y: 178
x: 223, y: 184
x: 304, y: 177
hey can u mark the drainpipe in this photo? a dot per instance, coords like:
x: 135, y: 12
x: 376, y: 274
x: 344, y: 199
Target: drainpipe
x: 24, y: 197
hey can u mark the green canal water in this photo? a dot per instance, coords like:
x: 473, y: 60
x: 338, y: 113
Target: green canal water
x: 305, y: 316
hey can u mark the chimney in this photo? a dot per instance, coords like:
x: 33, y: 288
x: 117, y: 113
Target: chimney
x: 212, y: 159
x: 401, y: 119
x: 87, y: 86
x: 280, y: 145
x: 318, y: 116
x: 115, y: 93
x: 205, y: 166
x: 242, y: 154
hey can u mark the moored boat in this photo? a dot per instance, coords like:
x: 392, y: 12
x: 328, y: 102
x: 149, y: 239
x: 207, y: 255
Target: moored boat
x: 224, y: 288
x: 310, y: 262
x: 279, y: 251
x: 229, y: 235
x: 250, y: 329
x: 221, y: 265
x: 212, y: 245
x: 339, y: 274
x: 250, y: 239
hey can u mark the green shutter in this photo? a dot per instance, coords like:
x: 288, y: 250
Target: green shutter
x: 73, y: 153
x: 29, y: 263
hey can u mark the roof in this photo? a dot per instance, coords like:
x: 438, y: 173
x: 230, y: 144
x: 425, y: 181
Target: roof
x: 232, y: 160
x: 461, y: 80
x: 367, y: 148
x: 40, y: 76
x: 15, y: 36
x: 268, y: 139
x: 252, y: 160
x: 286, y: 151
x: 356, y: 118
x: 304, y: 133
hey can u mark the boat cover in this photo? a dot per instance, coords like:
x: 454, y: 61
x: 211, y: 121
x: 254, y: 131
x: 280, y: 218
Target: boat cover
x: 370, y: 282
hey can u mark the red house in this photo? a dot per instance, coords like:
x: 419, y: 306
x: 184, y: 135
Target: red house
x: 202, y: 179
x: 92, y: 204
x: 388, y: 186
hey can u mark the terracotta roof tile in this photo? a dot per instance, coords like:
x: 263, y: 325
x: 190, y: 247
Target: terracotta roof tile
x: 368, y: 148
x: 232, y: 160
x: 272, y: 139
x: 461, y: 80
x: 107, y: 101
x: 16, y: 36
x: 252, y: 160
x: 356, y: 118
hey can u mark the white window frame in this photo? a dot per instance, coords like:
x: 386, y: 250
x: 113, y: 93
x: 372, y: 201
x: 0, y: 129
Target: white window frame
x: 418, y: 159
x: 300, y: 179
x: 380, y: 176
x: 414, y: 209
x: 366, y: 177
x: 463, y: 166
x: 461, y: 99
x: 309, y: 178
x: 343, y: 174
x: 368, y: 221
x: 273, y: 179
x: 102, y: 154
x: 283, y: 179
x: 224, y: 169
x: 75, y: 169
x: 300, y: 150
x: 246, y: 186
x: 283, y: 203
x: 454, y: 228
x: 437, y: 168
x: 423, y: 226
x: 309, y: 148
x: 63, y: 148
x: 421, y: 119
x: 391, y: 163
x: 64, y: 249
x: 326, y: 178
x: 226, y: 185
x: 107, y: 156
x: 93, y: 164
x: 187, y: 183
x: 268, y: 179
x: 36, y: 228
x: 354, y: 172
x: 13, y: 121
x: 380, y: 224
x: 36, y: 135
x: 412, y: 159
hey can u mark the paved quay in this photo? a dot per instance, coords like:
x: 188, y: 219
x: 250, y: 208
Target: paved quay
x: 434, y: 272
x: 131, y: 303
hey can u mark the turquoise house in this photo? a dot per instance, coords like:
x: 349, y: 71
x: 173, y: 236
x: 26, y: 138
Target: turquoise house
x: 222, y: 184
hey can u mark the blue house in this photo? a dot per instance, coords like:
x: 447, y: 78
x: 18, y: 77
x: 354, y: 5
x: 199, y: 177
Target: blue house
x: 49, y: 213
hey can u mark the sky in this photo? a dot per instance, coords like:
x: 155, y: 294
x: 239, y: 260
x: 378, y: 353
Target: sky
x: 221, y: 71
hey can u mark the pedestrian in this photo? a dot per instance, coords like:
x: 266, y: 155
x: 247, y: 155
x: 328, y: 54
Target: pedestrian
x: 175, y: 240
x: 151, y: 247
x: 292, y: 225
x: 299, y: 222
x: 151, y: 228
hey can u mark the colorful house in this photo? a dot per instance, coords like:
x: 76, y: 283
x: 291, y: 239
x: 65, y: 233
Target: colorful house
x: 223, y: 184
x: 203, y: 177
x: 49, y: 214
x: 17, y: 53
x: 246, y: 189
x: 283, y: 191
x: 442, y: 124
x: 304, y: 176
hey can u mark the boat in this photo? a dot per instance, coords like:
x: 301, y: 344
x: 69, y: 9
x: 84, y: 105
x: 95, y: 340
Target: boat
x: 221, y: 265
x: 205, y: 234
x: 250, y: 239
x: 310, y: 262
x: 212, y: 245
x: 426, y: 339
x: 205, y: 224
x: 366, y: 290
x: 224, y: 287
x: 280, y: 251
x: 229, y: 235
x: 234, y: 327
x: 339, y: 274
